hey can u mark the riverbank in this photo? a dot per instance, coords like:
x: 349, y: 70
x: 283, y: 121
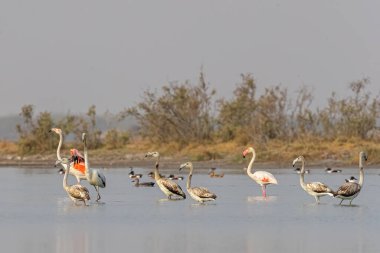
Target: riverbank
x: 272, y: 154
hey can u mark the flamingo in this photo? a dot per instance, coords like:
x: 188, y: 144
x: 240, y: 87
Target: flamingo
x: 76, y: 192
x: 263, y: 178
x: 93, y: 176
x: 200, y: 194
x: 167, y: 186
x: 76, y: 171
x: 316, y: 189
x: 351, y: 189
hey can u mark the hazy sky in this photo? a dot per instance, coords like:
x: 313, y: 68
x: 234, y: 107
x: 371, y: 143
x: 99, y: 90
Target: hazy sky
x: 67, y: 55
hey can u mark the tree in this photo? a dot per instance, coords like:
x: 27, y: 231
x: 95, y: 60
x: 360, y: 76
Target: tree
x: 34, y: 133
x: 247, y: 118
x: 353, y: 116
x: 181, y: 114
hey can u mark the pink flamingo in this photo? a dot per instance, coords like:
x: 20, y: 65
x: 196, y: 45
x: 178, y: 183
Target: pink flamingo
x: 263, y: 178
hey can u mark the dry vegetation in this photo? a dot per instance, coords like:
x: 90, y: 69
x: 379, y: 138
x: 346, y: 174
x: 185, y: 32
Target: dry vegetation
x: 184, y: 121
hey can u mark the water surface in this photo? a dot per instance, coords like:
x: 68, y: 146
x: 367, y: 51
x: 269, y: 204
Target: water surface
x: 37, y: 216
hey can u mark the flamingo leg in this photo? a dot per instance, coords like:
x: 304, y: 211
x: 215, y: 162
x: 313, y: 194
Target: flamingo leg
x: 317, y: 199
x: 97, y: 190
x: 263, y: 189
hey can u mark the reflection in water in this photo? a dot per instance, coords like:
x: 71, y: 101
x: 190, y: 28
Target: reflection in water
x: 71, y: 239
x: 261, y: 198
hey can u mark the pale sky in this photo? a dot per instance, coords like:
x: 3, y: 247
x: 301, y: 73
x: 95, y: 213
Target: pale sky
x: 67, y: 55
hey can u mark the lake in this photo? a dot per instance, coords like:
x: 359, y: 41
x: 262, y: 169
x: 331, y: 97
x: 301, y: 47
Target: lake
x: 37, y: 216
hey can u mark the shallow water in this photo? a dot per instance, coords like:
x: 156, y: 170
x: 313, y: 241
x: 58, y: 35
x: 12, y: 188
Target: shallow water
x: 37, y: 216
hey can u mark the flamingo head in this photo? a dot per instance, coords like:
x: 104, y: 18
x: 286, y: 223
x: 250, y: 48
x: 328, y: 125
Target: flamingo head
x: 248, y: 150
x: 152, y: 154
x: 56, y: 130
x: 185, y: 165
x: 363, y: 155
x: 84, y: 137
x: 75, y: 152
x: 298, y: 159
x: 64, y: 160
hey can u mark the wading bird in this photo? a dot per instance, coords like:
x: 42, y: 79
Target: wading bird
x: 76, y: 192
x: 93, y: 176
x: 329, y: 170
x: 167, y: 186
x: 298, y: 171
x: 77, y: 170
x: 213, y: 174
x: 133, y: 175
x: 352, y: 179
x: 316, y: 189
x: 174, y: 177
x: 263, y: 178
x: 144, y: 184
x: 351, y: 189
x: 200, y: 194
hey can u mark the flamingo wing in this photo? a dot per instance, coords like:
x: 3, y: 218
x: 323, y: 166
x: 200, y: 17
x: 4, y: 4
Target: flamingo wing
x: 172, y: 187
x: 78, y: 191
x: 318, y: 187
x: 265, y: 177
x: 100, y: 178
x: 203, y: 192
x: 348, y: 189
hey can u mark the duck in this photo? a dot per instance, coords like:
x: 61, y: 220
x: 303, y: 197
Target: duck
x: 144, y: 184
x: 133, y: 175
x: 298, y: 171
x: 213, y: 174
x: 173, y: 177
x: 329, y: 170
x: 151, y: 175
x: 351, y: 180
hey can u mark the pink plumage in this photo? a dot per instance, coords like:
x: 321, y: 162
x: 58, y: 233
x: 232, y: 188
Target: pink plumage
x: 263, y: 178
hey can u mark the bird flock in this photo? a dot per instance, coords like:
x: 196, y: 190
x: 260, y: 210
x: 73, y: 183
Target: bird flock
x: 78, y: 166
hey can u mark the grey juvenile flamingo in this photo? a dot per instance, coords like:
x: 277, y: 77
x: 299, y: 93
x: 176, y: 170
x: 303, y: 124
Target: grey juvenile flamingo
x: 167, y: 186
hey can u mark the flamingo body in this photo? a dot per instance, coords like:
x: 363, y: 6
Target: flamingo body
x: 316, y: 189
x: 167, y: 186
x: 351, y: 189
x: 263, y: 178
x: 76, y: 192
x: 200, y: 194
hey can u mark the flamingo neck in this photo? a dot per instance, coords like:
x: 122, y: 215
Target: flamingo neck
x: 188, y: 183
x: 86, y: 165
x: 250, y: 165
x: 65, y: 185
x: 59, y: 148
x: 361, y: 171
x: 156, y: 172
x: 302, y: 175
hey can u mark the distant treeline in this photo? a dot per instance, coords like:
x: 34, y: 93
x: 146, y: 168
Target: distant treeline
x: 185, y: 113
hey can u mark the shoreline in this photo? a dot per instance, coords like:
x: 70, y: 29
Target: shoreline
x: 40, y: 161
